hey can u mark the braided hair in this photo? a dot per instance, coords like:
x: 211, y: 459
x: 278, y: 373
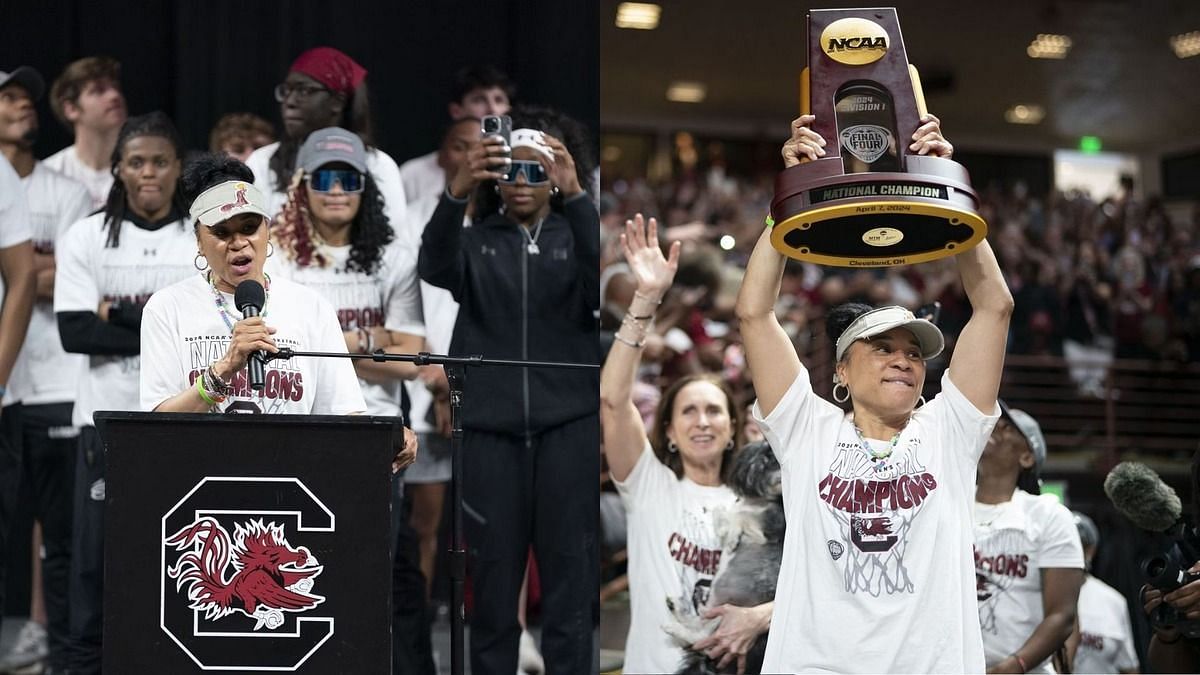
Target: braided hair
x: 370, y: 230
x: 550, y: 121
x: 150, y: 124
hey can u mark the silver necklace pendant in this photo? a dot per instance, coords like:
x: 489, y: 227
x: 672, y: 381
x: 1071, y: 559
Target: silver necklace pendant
x: 533, y: 249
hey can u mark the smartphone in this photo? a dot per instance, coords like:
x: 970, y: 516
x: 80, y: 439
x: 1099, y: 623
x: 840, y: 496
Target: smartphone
x: 497, y: 125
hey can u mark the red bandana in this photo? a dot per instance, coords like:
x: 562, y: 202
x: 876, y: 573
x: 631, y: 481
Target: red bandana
x: 331, y: 68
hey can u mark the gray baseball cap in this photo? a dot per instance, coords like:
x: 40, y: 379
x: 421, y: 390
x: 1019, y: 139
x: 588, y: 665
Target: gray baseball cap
x: 26, y: 77
x: 330, y: 145
x: 1029, y: 428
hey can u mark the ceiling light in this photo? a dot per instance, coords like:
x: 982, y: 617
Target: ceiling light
x: 1186, y: 44
x: 639, y: 15
x: 686, y: 92
x: 1024, y: 114
x: 1049, y: 46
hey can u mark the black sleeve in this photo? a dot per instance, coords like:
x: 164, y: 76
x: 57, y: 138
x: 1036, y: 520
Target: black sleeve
x: 581, y: 213
x: 85, y: 333
x: 127, y: 315
x: 441, y: 261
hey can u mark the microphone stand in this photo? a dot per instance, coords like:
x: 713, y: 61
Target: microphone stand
x: 456, y: 375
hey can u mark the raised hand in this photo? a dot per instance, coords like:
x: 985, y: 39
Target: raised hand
x: 485, y: 158
x: 928, y: 139
x: 653, y: 272
x: 562, y: 168
x: 804, y: 143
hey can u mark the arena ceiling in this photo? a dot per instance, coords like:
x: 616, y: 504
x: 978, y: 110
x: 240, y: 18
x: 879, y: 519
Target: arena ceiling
x: 1120, y: 81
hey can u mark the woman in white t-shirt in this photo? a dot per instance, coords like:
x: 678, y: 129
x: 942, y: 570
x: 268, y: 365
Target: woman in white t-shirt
x: 877, y: 573
x: 1028, y: 559
x: 107, y: 265
x: 334, y: 237
x: 1103, y: 638
x: 196, y: 344
x: 672, y: 483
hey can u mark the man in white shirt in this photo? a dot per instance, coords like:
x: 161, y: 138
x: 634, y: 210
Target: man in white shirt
x: 17, y: 290
x: 478, y: 91
x: 87, y: 99
x: 48, y: 375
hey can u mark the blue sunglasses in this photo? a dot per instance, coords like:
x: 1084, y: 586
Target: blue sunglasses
x: 535, y: 173
x: 322, y: 180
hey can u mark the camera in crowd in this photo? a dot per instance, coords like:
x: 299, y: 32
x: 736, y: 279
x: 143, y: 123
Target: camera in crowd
x: 1168, y: 571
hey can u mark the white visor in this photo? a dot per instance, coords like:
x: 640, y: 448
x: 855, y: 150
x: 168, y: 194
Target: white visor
x: 530, y: 138
x: 878, y: 321
x: 226, y: 200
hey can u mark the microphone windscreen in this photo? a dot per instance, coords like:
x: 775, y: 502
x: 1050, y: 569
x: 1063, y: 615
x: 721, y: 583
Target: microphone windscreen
x: 249, y: 293
x: 1137, y: 491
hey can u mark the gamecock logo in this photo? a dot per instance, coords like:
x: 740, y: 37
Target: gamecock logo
x: 266, y: 576
x: 236, y: 593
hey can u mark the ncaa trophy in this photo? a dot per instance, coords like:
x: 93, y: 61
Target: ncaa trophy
x: 873, y: 204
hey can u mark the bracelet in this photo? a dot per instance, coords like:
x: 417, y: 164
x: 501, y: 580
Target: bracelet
x: 639, y: 294
x: 204, y: 394
x: 362, y: 340
x: 214, y: 381
x: 1021, y: 662
x: 631, y: 343
x: 639, y: 318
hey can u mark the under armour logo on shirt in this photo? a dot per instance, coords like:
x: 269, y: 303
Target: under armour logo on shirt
x: 487, y: 250
x: 149, y: 251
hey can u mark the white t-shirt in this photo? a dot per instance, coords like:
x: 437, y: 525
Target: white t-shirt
x: 1106, y: 636
x: 88, y: 273
x: 1014, y: 540
x: 391, y: 297
x: 674, y: 554
x: 48, y: 373
x: 14, y: 229
x: 877, y: 574
x: 382, y: 167
x: 183, y: 332
x: 422, y: 177
x: 439, y: 309
x: 97, y: 181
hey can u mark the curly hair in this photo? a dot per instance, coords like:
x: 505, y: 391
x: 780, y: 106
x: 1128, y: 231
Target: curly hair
x: 370, y: 230
x: 150, y: 124
x: 208, y: 169
x: 666, y: 410
x: 570, y: 132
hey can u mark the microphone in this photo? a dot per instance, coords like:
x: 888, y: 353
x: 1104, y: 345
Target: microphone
x: 249, y: 298
x: 1141, y: 496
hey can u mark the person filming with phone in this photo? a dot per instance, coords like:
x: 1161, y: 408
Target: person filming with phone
x: 524, y: 275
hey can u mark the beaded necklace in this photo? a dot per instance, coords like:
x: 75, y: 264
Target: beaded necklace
x: 223, y: 308
x: 877, y: 455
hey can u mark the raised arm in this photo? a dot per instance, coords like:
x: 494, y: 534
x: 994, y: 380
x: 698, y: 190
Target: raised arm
x: 774, y: 364
x: 624, y: 432
x: 978, y: 360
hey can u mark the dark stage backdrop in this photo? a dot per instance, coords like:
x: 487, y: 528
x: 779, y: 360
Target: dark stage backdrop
x: 199, y: 59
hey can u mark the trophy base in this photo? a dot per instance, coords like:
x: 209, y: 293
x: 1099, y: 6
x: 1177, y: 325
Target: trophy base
x: 875, y: 219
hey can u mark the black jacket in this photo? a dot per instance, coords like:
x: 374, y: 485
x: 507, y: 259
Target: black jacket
x: 516, y: 305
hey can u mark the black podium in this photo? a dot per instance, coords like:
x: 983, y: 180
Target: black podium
x: 247, y: 543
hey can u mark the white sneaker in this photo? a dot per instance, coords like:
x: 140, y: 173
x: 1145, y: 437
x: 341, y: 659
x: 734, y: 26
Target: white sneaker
x: 529, y: 659
x: 30, y: 648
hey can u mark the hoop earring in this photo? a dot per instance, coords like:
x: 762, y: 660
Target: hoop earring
x: 835, y: 394
x: 671, y: 447
x: 729, y: 445
x: 920, y: 401
x: 196, y: 262
x: 270, y: 249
